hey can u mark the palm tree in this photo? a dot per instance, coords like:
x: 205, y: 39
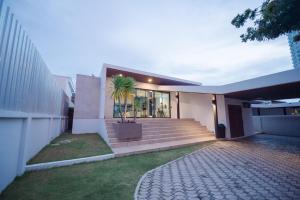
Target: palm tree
x: 128, y: 89
x: 118, y: 93
x: 123, y: 89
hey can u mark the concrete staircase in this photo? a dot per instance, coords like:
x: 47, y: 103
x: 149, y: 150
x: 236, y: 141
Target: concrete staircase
x: 160, y: 132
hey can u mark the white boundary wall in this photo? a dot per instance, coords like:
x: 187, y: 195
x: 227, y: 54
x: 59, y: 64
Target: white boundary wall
x: 31, y: 102
x: 287, y: 125
x: 22, y: 136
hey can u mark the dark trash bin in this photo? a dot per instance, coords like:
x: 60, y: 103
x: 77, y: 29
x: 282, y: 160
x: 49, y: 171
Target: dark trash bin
x: 220, y: 131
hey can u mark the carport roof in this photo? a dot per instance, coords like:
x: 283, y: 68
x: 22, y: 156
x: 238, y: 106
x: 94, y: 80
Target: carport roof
x: 282, y: 91
x: 282, y: 85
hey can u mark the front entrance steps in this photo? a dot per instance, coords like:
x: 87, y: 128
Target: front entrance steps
x: 159, y: 134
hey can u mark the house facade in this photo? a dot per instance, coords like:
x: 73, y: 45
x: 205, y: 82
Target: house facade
x: 163, y: 99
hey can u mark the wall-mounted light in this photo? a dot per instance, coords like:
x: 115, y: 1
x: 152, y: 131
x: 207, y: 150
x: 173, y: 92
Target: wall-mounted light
x: 149, y: 80
x: 121, y: 75
x: 214, y: 102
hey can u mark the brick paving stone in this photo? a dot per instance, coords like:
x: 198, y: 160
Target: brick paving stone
x: 227, y: 170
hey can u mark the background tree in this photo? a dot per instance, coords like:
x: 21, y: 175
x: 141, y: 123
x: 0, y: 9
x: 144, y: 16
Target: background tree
x: 272, y: 19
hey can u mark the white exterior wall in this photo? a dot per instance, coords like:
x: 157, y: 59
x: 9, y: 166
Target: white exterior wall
x: 222, y: 112
x: 198, y: 107
x: 22, y: 136
x: 109, y: 100
x: 103, y: 94
x: 88, y: 106
x: 63, y: 83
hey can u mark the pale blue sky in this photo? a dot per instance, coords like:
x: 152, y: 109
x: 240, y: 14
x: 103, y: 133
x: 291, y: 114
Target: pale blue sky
x: 188, y: 39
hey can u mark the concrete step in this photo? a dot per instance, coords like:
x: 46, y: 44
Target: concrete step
x: 131, y: 150
x: 163, y: 124
x: 168, y: 135
x: 157, y: 131
x: 166, y: 129
x: 155, y: 140
x: 150, y: 120
x: 168, y: 132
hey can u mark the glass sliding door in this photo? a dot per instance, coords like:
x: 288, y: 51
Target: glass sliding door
x: 149, y: 104
x: 142, y: 102
x: 162, y: 104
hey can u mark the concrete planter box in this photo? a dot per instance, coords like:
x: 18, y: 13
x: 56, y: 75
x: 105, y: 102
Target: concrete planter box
x: 128, y: 131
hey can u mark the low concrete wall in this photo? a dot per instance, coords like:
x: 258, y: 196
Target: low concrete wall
x: 22, y: 136
x: 83, y: 126
x: 287, y: 125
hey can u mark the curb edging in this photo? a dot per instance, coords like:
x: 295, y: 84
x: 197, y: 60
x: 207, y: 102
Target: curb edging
x: 48, y: 165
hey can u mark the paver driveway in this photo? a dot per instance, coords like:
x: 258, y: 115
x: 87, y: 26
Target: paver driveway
x: 262, y: 167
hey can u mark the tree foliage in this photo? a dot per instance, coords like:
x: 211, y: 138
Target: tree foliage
x: 272, y: 19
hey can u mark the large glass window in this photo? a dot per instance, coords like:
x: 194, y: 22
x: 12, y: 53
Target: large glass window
x: 148, y: 103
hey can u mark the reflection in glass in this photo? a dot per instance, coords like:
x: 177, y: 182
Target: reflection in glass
x: 148, y: 104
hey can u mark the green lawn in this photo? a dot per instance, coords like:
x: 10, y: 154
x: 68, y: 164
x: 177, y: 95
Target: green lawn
x: 69, y: 146
x: 109, y: 180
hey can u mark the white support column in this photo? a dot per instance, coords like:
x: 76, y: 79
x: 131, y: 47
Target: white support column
x: 23, y: 146
x: 222, y: 114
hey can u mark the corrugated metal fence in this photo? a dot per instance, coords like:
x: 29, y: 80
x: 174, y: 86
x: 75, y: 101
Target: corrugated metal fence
x: 25, y: 81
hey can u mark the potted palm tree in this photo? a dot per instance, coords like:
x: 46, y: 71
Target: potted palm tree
x: 123, y: 89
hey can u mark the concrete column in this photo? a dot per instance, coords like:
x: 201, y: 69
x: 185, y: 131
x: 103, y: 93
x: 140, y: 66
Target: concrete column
x: 222, y: 114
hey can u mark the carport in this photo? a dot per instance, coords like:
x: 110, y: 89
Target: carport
x: 283, y: 85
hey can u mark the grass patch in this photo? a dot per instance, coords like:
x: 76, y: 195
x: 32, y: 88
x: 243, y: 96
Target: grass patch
x: 70, y: 146
x: 111, y: 179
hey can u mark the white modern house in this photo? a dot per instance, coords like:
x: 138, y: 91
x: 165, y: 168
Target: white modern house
x: 34, y: 105
x: 173, y: 109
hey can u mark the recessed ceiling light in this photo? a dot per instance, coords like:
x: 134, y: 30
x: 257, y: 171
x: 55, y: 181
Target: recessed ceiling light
x: 149, y: 80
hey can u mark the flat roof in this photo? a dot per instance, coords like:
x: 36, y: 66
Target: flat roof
x: 142, y: 76
x: 281, y: 85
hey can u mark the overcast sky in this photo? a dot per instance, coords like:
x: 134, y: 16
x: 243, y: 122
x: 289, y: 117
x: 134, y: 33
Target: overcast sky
x: 188, y: 39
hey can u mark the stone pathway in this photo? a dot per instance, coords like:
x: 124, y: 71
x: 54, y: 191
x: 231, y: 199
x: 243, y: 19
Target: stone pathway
x: 226, y: 170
